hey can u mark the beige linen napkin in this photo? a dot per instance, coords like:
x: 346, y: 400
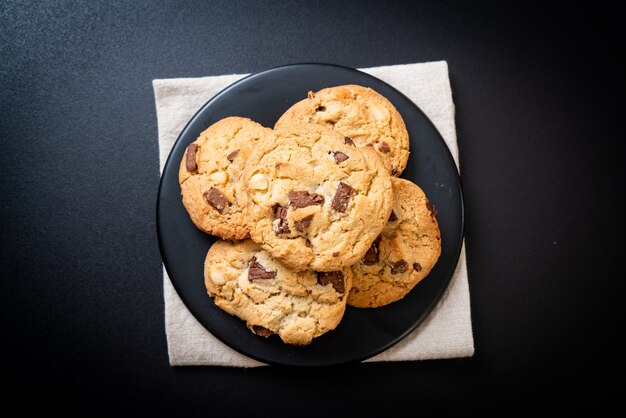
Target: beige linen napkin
x: 446, y: 333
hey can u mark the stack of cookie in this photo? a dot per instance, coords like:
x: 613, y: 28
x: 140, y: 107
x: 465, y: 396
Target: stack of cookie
x: 311, y: 213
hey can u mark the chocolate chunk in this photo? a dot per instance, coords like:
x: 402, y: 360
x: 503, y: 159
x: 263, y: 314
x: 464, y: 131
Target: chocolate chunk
x: 339, y: 156
x: 348, y: 141
x: 384, y: 148
x: 216, y: 199
x: 393, y: 217
x: 399, y: 267
x: 262, y: 331
x: 340, y: 201
x: 371, y: 256
x: 335, y: 254
x: 280, y: 212
x: 394, y: 171
x: 320, y: 109
x: 302, y: 199
x: 232, y: 155
x: 303, y: 223
x: 257, y: 272
x: 190, y: 163
x: 417, y: 266
x: 431, y: 208
x: 369, y: 145
x: 335, y: 278
x: 307, y: 242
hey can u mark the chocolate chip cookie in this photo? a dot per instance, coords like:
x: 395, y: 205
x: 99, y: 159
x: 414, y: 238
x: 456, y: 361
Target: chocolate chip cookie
x: 363, y: 116
x: 316, y: 201
x: 247, y: 282
x: 210, y: 174
x: 402, y: 255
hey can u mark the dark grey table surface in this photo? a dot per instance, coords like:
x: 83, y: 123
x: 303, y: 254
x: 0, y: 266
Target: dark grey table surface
x: 539, y: 95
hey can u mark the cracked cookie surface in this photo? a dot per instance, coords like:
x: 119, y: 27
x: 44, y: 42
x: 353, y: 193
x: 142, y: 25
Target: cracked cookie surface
x: 210, y: 176
x: 362, y: 115
x: 403, y: 255
x: 316, y: 201
x: 247, y: 282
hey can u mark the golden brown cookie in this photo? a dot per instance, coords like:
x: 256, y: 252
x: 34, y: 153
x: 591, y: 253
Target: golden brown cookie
x: 210, y: 174
x: 247, y: 282
x: 361, y: 115
x: 403, y: 255
x: 316, y: 202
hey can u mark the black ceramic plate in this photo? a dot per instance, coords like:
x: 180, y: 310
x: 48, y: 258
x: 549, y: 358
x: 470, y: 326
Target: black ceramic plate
x: 362, y: 333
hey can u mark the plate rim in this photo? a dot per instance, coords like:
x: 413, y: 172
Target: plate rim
x: 433, y: 303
